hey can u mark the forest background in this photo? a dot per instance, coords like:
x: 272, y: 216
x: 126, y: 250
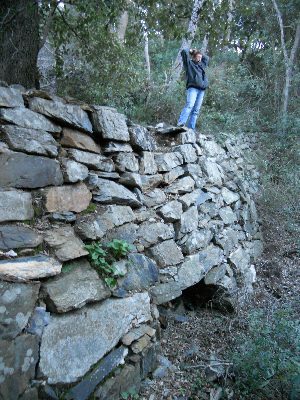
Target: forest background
x: 126, y: 54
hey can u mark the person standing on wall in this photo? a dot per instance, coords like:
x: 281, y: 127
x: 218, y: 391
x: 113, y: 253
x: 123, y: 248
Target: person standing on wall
x: 196, y: 83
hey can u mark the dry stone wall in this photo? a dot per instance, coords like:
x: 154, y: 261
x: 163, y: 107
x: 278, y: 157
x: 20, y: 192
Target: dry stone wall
x: 186, y: 209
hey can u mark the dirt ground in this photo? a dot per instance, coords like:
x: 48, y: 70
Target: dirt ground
x: 189, y: 345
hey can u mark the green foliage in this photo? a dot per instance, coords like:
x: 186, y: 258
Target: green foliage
x: 37, y: 211
x: 131, y: 394
x: 119, y: 248
x: 67, y: 268
x: 91, y: 208
x: 267, y: 358
x: 38, y: 249
x: 103, y: 259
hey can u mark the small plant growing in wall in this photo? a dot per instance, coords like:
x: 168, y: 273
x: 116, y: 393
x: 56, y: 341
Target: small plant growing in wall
x: 103, y: 259
x: 119, y: 248
x: 131, y: 394
x: 91, y: 208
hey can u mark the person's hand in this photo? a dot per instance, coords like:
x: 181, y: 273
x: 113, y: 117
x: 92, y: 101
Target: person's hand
x: 191, y: 51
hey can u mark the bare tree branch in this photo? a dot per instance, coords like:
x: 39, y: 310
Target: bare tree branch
x: 48, y: 24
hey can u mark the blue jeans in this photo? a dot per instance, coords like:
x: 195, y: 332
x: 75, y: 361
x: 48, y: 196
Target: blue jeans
x: 193, y: 104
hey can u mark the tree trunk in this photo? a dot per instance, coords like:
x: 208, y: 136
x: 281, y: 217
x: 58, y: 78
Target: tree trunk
x: 204, y: 45
x: 147, y: 59
x: 288, y: 60
x: 186, y: 43
x: 229, y: 22
x: 19, y: 42
x: 122, y: 26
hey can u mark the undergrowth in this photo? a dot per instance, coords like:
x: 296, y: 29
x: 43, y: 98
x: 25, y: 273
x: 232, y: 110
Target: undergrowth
x: 267, y: 357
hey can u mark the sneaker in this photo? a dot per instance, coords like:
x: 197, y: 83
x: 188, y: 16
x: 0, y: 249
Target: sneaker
x: 180, y: 125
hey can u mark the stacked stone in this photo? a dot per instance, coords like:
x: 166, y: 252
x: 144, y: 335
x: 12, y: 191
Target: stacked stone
x: 187, y: 212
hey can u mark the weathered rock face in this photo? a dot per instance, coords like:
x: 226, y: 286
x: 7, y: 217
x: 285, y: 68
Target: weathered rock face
x: 111, y: 125
x: 17, y: 301
x: 67, y: 198
x: 29, y: 140
x: 14, y: 237
x: 23, y: 171
x: 70, y: 177
x: 18, y: 358
x: 30, y: 267
x: 63, y: 113
x: 74, y: 289
x: 108, y: 192
x: 72, y: 343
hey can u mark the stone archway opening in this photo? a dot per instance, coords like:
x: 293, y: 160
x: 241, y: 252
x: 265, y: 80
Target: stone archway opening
x: 202, y: 295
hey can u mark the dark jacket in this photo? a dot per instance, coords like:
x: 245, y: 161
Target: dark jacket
x: 195, y: 73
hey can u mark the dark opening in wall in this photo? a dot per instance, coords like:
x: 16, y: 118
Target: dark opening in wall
x: 202, y: 295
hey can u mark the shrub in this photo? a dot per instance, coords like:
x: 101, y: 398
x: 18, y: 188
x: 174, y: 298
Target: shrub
x: 267, y: 358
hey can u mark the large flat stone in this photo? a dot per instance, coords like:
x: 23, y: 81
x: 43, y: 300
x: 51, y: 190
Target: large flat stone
x: 188, y: 152
x: 227, y: 239
x: 140, y: 138
x: 30, y: 141
x: 229, y: 196
x: 228, y: 215
x: 13, y: 237
x: 166, y: 253
x: 240, y: 260
x: 150, y: 181
x: 17, y: 301
x: 109, y: 192
x: 195, y: 240
x: 196, y: 266
x: 116, y: 147
x: 10, y: 97
x: 65, y: 243
x: 72, y: 343
x: 212, y: 148
x: 83, y: 390
x: 127, y: 378
x: 26, y: 118
x: 67, y: 198
x: 131, y: 179
x: 15, y: 205
x: 165, y: 292
x: 78, y: 140
x: 167, y: 161
x: 182, y: 186
x: 154, y: 197
x: 74, y: 289
x: 152, y: 233
x: 23, y: 171
x: 214, y: 172
x: 141, y: 274
x: 74, y: 171
x: 125, y: 232
x: 110, y: 124
x: 118, y: 215
x: 171, y: 211
x: 147, y: 163
x: 18, y: 361
x: 92, y: 160
x: 173, y: 174
x: 188, y: 222
x: 63, y: 113
x: 31, y: 267
x: 126, y: 162
x: 196, y: 197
